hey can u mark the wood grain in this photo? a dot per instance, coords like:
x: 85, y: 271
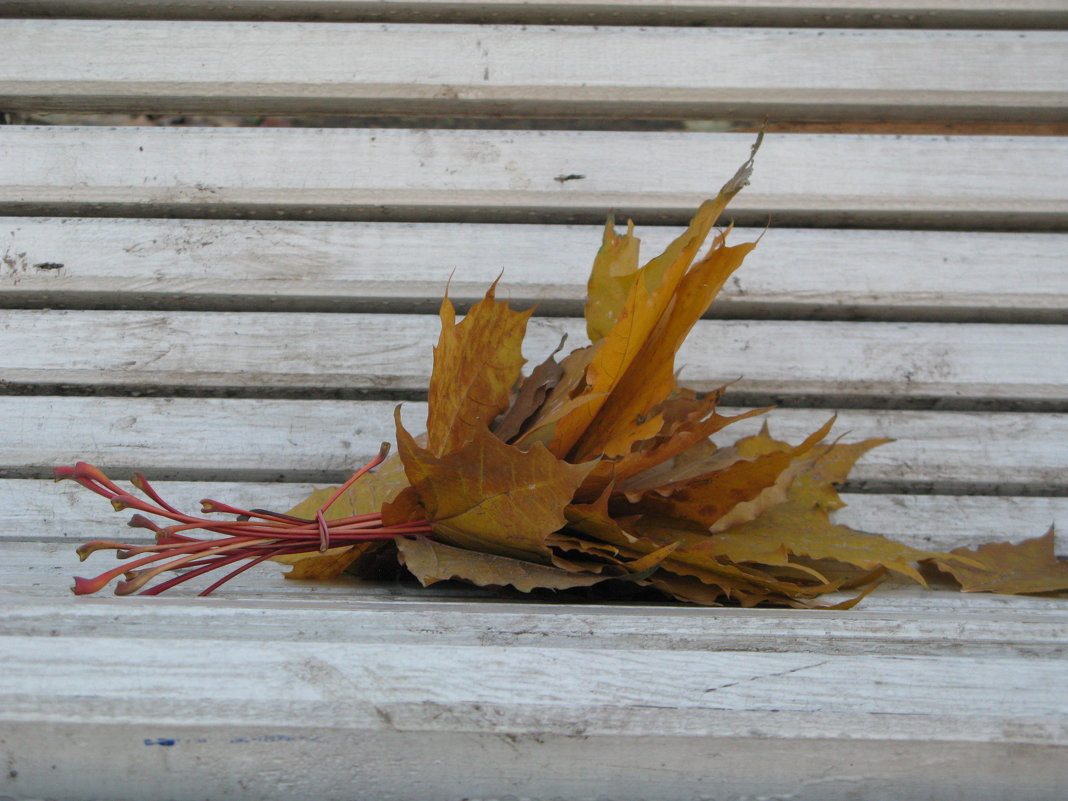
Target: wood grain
x: 496, y: 176
x: 691, y: 73
x: 373, y: 266
x: 829, y: 362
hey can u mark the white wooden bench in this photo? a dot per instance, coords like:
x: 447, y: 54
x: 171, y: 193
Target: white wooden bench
x: 229, y: 308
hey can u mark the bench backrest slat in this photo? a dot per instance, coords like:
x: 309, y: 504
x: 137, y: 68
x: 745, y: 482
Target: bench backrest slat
x: 828, y: 363
x: 688, y: 73
x: 533, y: 176
x: 833, y: 273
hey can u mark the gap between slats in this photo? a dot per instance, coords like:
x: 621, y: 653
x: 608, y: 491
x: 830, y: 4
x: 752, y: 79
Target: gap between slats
x: 980, y: 14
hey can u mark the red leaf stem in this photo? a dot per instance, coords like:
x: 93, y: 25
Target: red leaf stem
x: 256, y: 534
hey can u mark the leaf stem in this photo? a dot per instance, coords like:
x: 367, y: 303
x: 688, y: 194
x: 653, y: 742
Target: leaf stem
x: 256, y: 535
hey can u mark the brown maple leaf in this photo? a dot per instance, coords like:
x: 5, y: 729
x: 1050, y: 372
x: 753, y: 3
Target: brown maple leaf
x: 1030, y: 566
x: 490, y: 496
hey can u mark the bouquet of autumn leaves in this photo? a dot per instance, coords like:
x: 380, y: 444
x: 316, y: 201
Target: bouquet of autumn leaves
x: 594, y: 469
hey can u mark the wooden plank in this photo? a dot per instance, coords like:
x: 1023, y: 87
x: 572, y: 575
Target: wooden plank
x: 830, y: 362
x: 230, y: 439
x: 818, y: 13
x: 324, y: 266
x: 238, y: 760
x: 265, y: 690
x: 908, y: 181
x: 36, y: 509
x: 687, y: 73
x: 1021, y: 626
x: 838, y: 695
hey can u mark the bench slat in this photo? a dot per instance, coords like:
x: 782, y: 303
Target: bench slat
x: 265, y: 710
x: 1028, y: 624
x: 819, y: 700
x: 946, y: 694
x: 324, y: 266
x: 500, y: 176
x: 229, y: 439
x: 832, y: 362
x: 37, y: 509
x: 820, y: 13
x: 532, y: 71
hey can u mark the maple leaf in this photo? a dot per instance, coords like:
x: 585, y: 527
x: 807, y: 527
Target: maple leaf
x: 490, y: 496
x: 687, y: 421
x: 614, y: 271
x: 431, y: 562
x: 791, y: 529
x: 709, y: 498
x: 654, y: 318
x: 530, y: 397
x: 476, y: 364
x: 1030, y: 566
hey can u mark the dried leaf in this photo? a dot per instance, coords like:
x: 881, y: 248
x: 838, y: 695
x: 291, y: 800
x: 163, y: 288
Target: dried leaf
x: 707, y: 499
x: 490, y: 496
x: 530, y: 397
x: 649, y: 377
x: 431, y: 561
x: 1027, y: 567
x: 324, y: 566
x: 561, y: 400
x: 645, y: 314
x: 614, y: 270
x: 476, y: 364
x: 692, y: 558
x: 790, y: 529
x: 680, y: 432
x: 829, y: 465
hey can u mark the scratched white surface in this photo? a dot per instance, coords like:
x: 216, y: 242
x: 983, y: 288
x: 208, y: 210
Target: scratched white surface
x: 325, y: 265
x: 583, y: 71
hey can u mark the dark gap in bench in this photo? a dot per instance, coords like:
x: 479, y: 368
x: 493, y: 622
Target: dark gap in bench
x: 784, y: 400
x: 533, y: 13
x: 918, y: 220
x: 448, y: 112
x: 903, y: 127
x: 723, y: 309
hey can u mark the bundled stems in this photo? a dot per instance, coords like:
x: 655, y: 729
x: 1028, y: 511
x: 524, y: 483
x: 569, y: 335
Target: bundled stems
x: 255, y: 534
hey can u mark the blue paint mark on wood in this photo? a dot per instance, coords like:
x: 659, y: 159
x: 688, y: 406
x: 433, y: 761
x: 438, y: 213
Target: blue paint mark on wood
x: 256, y: 738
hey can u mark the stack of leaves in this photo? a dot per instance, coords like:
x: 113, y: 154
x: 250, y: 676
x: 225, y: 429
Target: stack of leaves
x: 597, y: 469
